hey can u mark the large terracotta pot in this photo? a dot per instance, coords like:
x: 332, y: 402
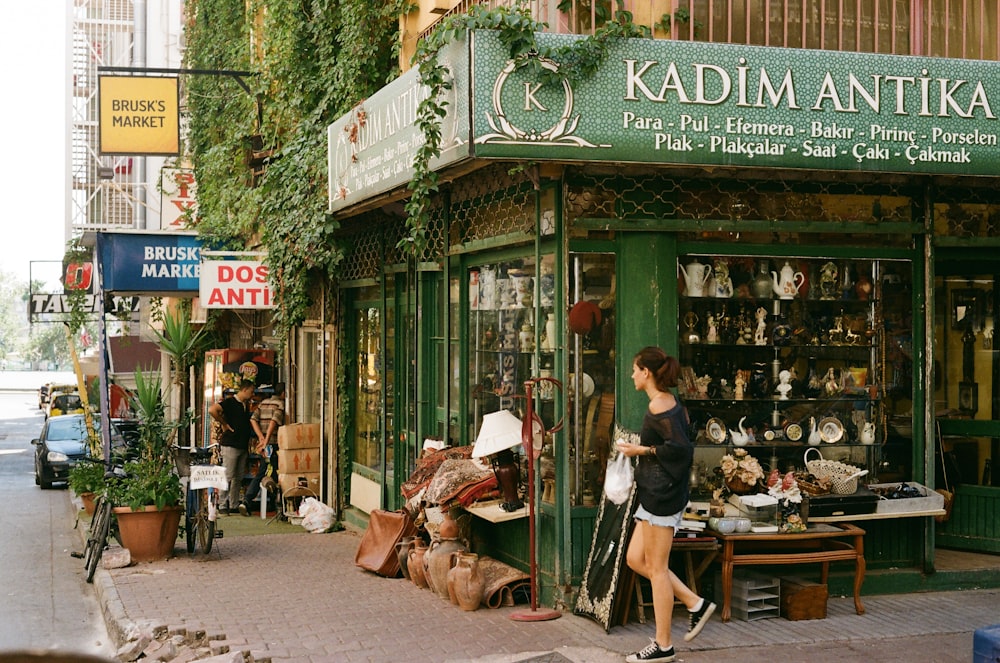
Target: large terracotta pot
x: 437, y: 563
x: 89, y: 501
x: 415, y: 563
x: 465, y: 581
x: 149, y: 534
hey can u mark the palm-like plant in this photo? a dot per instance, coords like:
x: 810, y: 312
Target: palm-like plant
x: 150, y: 479
x: 184, y: 345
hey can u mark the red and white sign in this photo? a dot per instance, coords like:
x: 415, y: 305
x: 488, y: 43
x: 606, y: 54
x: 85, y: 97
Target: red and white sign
x: 179, y: 199
x: 234, y: 284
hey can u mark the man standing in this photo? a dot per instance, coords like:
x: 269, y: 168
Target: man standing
x: 233, y: 415
x: 266, y: 419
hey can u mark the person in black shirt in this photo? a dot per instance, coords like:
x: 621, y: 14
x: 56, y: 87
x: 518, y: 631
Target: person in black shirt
x: 233, y: 415
x: 662, y: 482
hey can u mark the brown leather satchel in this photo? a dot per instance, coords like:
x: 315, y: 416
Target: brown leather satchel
x: 377, y: 551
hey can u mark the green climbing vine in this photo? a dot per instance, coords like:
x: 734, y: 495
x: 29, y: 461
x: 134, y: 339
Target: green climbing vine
x: 516, y: 29
x: 313, y: 59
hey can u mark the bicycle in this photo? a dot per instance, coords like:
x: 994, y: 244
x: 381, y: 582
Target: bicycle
x: 199, y: 467
x: 102, y: 525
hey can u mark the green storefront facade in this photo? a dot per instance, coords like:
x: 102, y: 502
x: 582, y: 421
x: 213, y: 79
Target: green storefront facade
x: 755, y: 211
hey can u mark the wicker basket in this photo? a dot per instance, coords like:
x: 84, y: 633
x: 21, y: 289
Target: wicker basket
x: 833, y: 470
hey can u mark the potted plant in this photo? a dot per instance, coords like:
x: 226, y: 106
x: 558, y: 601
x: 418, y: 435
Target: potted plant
x: 86, y: 479
x: 149, y: 495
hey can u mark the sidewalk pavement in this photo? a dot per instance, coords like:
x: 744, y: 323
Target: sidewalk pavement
x: 298, y: 597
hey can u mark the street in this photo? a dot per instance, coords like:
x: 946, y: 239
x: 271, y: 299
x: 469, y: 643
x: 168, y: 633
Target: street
x: 47, y: 602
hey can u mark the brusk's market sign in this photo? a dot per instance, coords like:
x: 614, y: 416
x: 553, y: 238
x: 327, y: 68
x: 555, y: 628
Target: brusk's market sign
x: 663, y: 101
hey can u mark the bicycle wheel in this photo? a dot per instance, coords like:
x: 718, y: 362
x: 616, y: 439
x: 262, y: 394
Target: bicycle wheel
x: 97, y: 537
x: 191, y: 505
x: 202, y: 532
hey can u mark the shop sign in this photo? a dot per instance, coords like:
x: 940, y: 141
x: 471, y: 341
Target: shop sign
x: 230, y: 282
x: 371, y: 149
x: 696, y: 103
x: 56, y: 307
x: 146, y: 263
x: 178, y: 198
x: 139, y: 115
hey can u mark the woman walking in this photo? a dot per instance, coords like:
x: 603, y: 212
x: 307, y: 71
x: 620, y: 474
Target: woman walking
x: 662, y: 487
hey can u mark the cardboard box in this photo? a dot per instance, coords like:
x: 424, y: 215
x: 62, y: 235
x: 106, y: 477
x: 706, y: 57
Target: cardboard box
x: 298, y: 436
x: 928, y: 501
x: 803, y: 599
x: 289, y: 481
x: 293, y: 461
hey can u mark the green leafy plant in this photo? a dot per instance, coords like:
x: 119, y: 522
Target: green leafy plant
x: 87, y: 477
x: 516, y: 28
x: 183, y: 345
x: 150, y: 479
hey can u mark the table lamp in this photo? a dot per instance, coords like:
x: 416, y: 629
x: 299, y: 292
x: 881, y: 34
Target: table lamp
x: 501, y: 432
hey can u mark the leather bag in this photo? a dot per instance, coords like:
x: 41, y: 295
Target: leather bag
x: 377, y: 551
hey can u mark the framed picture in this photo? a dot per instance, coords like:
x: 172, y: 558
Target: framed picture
x: 967, y: 309
x: 968, y: 397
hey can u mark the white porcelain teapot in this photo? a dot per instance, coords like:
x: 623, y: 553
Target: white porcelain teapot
x: 786, y: 285
x: 696, y: 277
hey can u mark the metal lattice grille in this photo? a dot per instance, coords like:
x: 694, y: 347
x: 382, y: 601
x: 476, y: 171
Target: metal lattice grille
x: 490, y: 203
x: 364, y: 253
x: 841, y: 205
x: 967, y: 212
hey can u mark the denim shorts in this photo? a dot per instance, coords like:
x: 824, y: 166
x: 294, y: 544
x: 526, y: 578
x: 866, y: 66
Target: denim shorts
x: 659, y: 521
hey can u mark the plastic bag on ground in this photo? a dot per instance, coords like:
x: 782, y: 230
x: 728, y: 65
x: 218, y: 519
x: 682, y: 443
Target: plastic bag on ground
x: 316, y: 516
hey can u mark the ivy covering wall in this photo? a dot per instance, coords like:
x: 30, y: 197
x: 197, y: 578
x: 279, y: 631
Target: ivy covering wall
x: 312, y: 61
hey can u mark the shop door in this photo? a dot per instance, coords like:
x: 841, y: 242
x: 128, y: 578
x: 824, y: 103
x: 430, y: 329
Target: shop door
x: 967, y: 399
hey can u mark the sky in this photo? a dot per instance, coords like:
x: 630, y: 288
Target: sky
x: 33, y: 120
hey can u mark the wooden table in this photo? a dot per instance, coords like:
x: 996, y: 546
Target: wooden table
x: 820, y: 544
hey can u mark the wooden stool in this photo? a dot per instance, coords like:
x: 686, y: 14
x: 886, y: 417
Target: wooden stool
x: 639, y: 585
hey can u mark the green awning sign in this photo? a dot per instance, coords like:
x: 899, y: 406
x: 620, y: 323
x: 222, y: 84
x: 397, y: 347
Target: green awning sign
x: 696, y: 103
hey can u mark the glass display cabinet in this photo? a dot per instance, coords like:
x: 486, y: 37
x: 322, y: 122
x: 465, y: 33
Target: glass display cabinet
x: 788, y: 352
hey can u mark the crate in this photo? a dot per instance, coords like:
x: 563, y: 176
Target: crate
x: 802, y: 599
x: 929, y: 500
x: 755, y: 595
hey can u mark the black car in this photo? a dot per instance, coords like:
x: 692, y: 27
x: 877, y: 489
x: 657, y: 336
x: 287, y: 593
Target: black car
x: 63, y: 442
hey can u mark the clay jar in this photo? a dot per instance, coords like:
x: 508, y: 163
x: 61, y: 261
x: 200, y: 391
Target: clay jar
x: 437, y: 563
x: 415, y: 563
x: 403, y: 554
x: 465, y: 581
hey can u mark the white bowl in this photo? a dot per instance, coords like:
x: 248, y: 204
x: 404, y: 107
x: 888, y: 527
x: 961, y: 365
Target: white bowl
x: 726, y: 525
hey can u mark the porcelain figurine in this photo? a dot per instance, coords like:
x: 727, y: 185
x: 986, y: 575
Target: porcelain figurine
x: 814, y: 437
x: 784, y: 385
x: 828, y: 286
x: 723, y: 282
x: 759, y: 337
x: 740, y: 437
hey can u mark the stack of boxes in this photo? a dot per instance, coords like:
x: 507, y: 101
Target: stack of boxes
x: 298, y: 456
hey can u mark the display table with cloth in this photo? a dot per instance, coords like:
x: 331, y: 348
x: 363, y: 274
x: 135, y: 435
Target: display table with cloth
x: 820, y: 544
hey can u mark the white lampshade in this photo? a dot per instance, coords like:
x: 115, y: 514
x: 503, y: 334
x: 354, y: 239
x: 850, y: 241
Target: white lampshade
x: 500, y: 430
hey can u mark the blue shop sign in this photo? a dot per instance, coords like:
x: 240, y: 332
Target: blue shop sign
x: 149, y: 263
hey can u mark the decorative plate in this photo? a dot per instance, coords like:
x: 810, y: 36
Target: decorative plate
x: 831, y: 430
x: 793, y: 432
x: 715, y: 430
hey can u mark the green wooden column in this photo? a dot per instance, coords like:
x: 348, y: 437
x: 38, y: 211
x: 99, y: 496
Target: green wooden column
x: 647, y: 305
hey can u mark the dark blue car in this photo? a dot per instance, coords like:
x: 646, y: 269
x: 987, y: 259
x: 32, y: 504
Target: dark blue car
x: 63, y: 442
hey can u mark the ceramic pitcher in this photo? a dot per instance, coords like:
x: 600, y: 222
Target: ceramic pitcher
x: 696, y: 277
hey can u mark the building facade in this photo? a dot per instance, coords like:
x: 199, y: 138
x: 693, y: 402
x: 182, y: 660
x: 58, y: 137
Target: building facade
x: 797, y: 203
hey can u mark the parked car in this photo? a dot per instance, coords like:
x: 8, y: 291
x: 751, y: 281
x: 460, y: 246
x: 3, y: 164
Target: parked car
x: 63, y: 442
x: 64, y: 403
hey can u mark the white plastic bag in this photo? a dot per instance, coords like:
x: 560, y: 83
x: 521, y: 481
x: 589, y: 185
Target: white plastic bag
x: 316, y: 516
x: 619, y: 478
